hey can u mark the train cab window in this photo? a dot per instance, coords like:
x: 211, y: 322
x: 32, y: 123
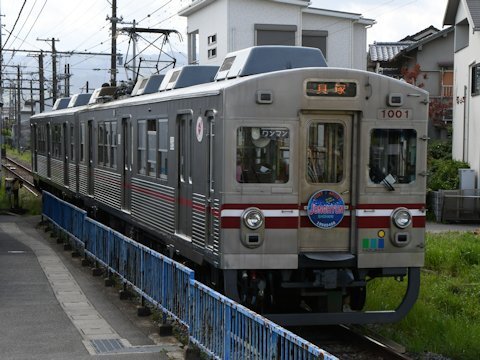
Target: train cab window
x: 325, y: 152
x: 263, y: 155
x: 162, y: 148
x: 393, y: 152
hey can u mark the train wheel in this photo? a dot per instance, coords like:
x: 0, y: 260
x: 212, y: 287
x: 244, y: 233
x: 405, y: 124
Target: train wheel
x: 358, y: 297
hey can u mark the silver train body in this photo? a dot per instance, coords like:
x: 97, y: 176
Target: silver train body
x: 293, y: 186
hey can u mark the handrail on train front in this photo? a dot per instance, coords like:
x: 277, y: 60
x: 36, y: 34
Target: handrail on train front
x: 219, y: 326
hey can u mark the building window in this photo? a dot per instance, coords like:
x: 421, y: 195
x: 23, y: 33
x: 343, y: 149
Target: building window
x: 270, y: 34
x: 476, y: 79
x: 462, y: 34
x: 316, y: 39
x: 212, y: 39
x: 212, y: 53
x: 193, y: 47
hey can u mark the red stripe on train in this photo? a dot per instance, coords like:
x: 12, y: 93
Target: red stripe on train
x: 364, y: 222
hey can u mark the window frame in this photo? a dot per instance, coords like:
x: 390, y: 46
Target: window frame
x: 310, y: 171
x: 279, y: 163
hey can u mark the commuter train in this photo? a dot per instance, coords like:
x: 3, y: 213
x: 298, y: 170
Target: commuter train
x: 285, y: 183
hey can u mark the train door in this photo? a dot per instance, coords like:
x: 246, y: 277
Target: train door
x: 326, y: 182
x: 185, y: 157
x: 126, y: 164
x: 65, y: 138
x: 210, y: 190
x: 34, y: 146
x: 49, y: 152
x: 90, y: 158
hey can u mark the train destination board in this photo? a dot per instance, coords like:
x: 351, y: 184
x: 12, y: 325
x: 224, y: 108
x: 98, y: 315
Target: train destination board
x: 331, y: 88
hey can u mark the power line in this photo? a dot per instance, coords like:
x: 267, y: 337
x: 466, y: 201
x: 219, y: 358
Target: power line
x: 15, y: 24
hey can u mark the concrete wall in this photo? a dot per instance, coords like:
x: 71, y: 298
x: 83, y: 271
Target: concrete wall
x: 466, y: 117
x: 234, y: 23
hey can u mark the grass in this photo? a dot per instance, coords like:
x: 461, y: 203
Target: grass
x: 446, y: 318
x: 27, y: 201
x: 23, y: 156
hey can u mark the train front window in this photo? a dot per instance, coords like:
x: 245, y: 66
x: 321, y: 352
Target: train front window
x: 325, y: 154
x: 263, y: 155
x: 393, y: 152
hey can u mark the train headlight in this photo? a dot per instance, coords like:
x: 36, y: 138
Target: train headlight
x: 402, y: 218
x: 253, y: 218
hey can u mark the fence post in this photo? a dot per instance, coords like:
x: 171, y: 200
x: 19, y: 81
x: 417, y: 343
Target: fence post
x: 227, y: 332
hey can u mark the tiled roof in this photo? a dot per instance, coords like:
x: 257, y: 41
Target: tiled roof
x: 474, y: 8
x: 386, y: 51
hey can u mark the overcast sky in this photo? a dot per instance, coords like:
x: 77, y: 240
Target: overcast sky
x: 81, y: 25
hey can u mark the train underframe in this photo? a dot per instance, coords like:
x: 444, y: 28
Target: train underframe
x: 317, y: 293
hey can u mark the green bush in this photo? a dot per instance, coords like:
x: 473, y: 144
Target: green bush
x: 443, y: 174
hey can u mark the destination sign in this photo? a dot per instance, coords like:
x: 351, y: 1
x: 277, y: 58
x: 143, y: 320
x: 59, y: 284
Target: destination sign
x: 331, y: 88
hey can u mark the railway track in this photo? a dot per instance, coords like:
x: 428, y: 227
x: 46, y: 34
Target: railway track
x: 21, y: 171
x: 352, y: 343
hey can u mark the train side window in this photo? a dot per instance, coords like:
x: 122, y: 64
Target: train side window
x: 113, y: 145
x: 393, y: 152
x: 263, y: 155
x: 152, y: 148
x: 142, y: 147
x: 162, y: 148
x: 101, y: 145
x: 82, y: 142
x: 42, y: 140
x: 72, y: 143
x: 325, y: 153
x: 57, y: 141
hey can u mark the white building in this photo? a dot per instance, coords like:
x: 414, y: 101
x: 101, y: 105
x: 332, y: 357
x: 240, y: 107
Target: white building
x: 465, y: 16
x: 217, y: 27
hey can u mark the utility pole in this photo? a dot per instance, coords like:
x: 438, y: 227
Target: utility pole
x: 1, y: 87
x: 54, y: 68
x: 41, y: 80
x: 19, y: 107
x: 67, y: 80
x: 113, y: 59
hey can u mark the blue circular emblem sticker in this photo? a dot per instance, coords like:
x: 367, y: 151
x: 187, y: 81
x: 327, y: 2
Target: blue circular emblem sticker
x: 326, y: 209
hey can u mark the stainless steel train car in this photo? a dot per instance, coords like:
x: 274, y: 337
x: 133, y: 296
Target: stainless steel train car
x: 286, y: 183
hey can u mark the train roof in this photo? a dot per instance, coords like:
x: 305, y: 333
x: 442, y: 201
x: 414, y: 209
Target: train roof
x: 265, y: 59
x: 148, y: 85
x: 247, y: 57
x: 79, y: 100
x: 61, y: 103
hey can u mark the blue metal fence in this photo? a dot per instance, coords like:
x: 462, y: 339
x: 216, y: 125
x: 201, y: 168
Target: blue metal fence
x: 220, y: 327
